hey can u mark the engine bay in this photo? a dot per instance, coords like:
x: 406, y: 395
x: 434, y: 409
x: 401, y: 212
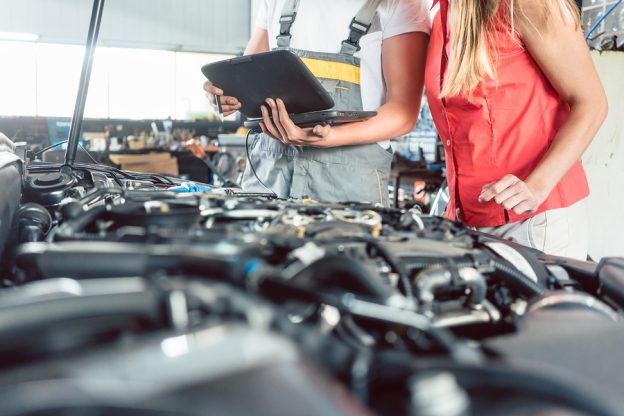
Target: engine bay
x: 127, y: 293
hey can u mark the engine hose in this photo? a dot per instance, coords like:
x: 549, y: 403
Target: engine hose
x: 346, y: 274
x: 392, y: 261
x: 436, y: 262
x: 518, y: 280
x: 70, y: 228
x: 98, y: 193
x: 396, y: 266
x: 276, y: 287
x: 34, y: 223
x: 514, y: 278
x: 490, y: 379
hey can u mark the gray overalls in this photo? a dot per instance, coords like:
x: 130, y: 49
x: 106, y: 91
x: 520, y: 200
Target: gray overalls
x: 342, y: 174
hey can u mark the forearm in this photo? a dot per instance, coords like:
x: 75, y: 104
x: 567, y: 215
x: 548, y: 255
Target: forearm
x: 568, y: 146
x: 403, y: 60
x: 556, y: 44
x: 526, y: 195
x: 393, y: 120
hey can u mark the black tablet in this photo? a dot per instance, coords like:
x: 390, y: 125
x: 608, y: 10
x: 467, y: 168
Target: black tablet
x: 276, y: 74
x: 329, y: 117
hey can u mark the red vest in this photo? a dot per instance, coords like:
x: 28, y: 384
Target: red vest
x: 504, y: 128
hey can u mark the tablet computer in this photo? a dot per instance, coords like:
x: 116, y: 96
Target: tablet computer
x: 329, y: 117
x: 276, y: 74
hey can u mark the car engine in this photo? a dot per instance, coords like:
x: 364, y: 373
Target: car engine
x: 126, y: 293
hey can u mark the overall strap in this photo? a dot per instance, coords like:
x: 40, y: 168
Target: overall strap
x: 359, y: 27
x: 287, y: 19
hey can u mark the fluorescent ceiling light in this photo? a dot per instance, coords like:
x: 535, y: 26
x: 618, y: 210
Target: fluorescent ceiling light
x: 28, y: 37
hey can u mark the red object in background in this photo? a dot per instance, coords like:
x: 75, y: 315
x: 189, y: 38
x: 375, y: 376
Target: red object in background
x: 198, y: 150
x: 420, y: 193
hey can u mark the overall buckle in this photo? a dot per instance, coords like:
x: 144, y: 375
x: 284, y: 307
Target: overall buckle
x: 286, y: 22
x: 357, y: 31
x: 359, y: 27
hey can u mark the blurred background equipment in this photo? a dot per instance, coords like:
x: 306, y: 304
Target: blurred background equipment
x: 418, y: 169
x: 603, y: 22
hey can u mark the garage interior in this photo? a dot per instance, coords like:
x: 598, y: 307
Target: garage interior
x: 139, y: 277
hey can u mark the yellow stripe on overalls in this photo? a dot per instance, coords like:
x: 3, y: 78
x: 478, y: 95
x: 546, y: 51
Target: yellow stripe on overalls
x: 333, y: 70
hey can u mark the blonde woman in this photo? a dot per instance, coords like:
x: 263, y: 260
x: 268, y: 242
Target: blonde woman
x: 517, y: 100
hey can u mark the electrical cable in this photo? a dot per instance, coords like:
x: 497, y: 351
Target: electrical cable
x: 45, y: 149
x: 602, y: 18
x: 88, y: 154
x: 151, y: 177
x: 252, y: 166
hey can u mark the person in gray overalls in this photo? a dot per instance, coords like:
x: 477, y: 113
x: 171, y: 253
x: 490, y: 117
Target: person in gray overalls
x: 315, y: 167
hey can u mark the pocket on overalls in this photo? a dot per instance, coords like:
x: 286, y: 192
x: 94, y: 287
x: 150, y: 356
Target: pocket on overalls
x: 346, y: 95
x: 383, y: 171
x: 347, y: 183
x: 349, y: 96
x: 330, y: 86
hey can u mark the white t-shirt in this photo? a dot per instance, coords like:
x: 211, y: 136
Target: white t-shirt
x: 322, y: 25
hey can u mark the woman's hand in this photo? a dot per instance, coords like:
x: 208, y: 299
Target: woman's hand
x: 280, y: 127
x: 513, y: 194
x: 229, y: 105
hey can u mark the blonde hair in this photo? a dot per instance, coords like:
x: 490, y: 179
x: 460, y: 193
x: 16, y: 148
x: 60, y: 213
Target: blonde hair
x: 471, y: 24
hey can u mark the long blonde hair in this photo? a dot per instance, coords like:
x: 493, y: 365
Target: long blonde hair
x: 471, y: 24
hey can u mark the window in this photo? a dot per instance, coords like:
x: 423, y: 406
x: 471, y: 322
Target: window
x: 18, y: 79
x: 58, y: 73
x: 191, y: 99
x: 141, y: 83
x: 42, y: 80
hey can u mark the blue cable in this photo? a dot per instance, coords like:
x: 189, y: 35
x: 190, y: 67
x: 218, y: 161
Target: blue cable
x: 604, y: 16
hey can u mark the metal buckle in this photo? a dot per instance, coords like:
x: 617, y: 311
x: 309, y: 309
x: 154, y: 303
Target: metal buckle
x: 359, y: 27
x: 356, y: 33
x: 283, y: 41
x: 286, y: 23
x: 288, y: 18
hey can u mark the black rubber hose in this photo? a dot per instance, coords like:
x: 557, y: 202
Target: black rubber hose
x: 489, y: 380
x: 421, y: 264
x: 70, y: 228
x: 343, y: 273
x: 388, y: 257
x: 34, y: 223
x: 507, y: 273
x: 278, y: 289
x: 518, y: 280
x: 396, y: 265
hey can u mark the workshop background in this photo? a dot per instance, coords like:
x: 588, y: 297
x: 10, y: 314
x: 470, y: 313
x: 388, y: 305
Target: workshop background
x: 146, y: 108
